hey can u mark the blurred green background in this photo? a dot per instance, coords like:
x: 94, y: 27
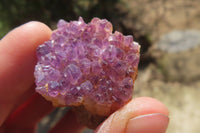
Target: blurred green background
x: 15, y: 12
x: 167, y: 30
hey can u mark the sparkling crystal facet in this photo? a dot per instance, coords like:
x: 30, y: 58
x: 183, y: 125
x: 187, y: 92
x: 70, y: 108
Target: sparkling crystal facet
x: 85, y: 64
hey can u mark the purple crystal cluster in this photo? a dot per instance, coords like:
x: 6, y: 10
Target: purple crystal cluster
x: 87, y: 64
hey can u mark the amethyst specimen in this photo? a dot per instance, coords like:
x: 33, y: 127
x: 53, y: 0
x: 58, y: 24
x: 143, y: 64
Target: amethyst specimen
x: 88, y: 65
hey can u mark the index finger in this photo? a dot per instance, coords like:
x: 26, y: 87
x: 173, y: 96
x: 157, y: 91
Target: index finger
x: 17, y: 61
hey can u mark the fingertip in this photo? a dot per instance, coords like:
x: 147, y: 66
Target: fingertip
x: 34, y: 27
x: 33, y: 32
x: 147, y: 105
x: 24, y: 40
x: 150, y: 123
x: 37, y: 29
x: 119, y: 120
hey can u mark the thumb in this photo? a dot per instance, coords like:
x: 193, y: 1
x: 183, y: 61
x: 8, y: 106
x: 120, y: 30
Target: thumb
x: 141, y: 115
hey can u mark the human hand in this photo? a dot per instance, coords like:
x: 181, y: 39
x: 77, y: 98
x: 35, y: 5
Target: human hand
x: 21, y: 108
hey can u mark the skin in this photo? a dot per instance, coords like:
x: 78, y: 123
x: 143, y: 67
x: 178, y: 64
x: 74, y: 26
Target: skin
x: 21, y: 108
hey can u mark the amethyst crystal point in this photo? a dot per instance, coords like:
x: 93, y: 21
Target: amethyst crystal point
x: 87, y: 65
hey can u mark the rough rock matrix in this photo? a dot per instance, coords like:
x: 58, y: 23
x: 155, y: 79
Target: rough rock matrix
x: 87, y: 65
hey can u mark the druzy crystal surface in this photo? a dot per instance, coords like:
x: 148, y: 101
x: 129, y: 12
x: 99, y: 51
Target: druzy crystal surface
x: 87, y: 64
